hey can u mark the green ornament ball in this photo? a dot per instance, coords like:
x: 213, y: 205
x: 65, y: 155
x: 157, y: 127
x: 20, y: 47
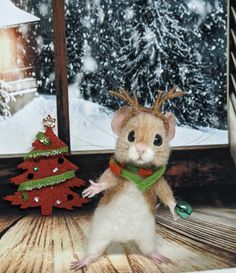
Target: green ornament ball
x: 183, y: 209
x: 36, y: 169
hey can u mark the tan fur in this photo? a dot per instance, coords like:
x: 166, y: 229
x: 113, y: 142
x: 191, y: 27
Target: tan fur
x: 108, y: 179
x: 146, y: 127
x: 164, y: 191
x: 151, y: 198
x: 112, y: 192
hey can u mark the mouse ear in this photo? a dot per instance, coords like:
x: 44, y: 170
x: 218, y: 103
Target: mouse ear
x: 118, y: 118
x: 172, y: 124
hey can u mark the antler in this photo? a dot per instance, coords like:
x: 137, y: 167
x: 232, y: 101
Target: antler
x: 132, y: 101
x: 155, y: 110
x: 162, y: 97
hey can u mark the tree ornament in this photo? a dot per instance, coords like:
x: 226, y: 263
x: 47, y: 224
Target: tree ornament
x: 49, y: 122
x: 183, y: 209
x: 43, y: 139
x: 24, y: 196
x: 36, y: 199
x: 55, y: 170
x: 49, y: 176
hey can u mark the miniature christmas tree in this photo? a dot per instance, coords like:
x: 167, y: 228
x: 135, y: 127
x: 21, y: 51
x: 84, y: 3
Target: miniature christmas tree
x: 48, y: 176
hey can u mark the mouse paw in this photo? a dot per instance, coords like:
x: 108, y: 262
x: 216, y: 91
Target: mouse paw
x: 92, y: 190
x: 158, y: 258
x: 172, y: 210
x: 84, y: 263
x: 175, y: 216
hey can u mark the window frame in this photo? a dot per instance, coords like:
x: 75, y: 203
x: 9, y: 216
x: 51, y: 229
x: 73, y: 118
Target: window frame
x: 61, y: 82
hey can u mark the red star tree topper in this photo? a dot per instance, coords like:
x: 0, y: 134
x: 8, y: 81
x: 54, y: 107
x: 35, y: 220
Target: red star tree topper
x: 49, y: 176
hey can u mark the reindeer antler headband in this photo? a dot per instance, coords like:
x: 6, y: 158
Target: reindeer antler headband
x: 154, y: 110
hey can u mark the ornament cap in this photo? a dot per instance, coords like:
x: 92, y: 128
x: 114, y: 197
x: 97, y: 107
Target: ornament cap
x: 49, y: 122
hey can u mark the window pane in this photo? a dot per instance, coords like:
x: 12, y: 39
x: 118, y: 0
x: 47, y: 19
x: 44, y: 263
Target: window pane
x: 27, y: 93
x: 147, y: 46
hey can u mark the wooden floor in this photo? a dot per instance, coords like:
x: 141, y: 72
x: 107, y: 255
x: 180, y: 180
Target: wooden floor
x: 33, y: 243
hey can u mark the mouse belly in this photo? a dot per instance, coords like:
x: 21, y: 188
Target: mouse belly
x: 125, y: 218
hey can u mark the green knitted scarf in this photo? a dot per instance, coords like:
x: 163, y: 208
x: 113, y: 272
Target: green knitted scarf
x: 132, y: 173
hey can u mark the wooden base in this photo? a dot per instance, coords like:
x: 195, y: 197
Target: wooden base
x: 32, y: 243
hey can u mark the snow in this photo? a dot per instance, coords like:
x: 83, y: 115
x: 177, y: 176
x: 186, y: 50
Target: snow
x: 43, y: 9
x: 11, y: 16
x: 89, y: 127
x: 89, y: 64
x: 201, y: 7
x: 129, y: 14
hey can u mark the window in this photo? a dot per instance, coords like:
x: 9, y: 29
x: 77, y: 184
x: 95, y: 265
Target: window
x: 27, y: 75
x: 110, y: 46
x: 147, y: 46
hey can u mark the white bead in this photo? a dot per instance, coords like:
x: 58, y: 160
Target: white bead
x: 36, y: 199
x: 55, y: 170
x: 58, y: 202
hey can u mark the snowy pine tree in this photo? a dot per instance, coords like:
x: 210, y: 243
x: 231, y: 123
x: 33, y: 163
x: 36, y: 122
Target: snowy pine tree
x: 155, y: 44
x: 160, y: 53
x: 141, y: 45
x: 99, y: 70
x: 5, y: 98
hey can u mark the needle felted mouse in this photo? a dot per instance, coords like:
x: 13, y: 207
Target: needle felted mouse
x: 133, y: 180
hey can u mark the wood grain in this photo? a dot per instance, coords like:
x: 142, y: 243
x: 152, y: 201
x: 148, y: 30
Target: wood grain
x: 8, y: 220
x: 48, y: 244
x: 213, y: 227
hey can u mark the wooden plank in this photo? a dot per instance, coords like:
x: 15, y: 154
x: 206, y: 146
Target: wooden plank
x: 218, y: 230
x: 39, y: 244
x: 8, y: 220
x: 61, y: 70
x: 49, y: 244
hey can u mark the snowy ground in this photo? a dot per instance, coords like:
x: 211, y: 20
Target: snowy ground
x: 90, y: 127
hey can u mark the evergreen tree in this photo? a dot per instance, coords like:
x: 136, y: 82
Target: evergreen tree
x: 5, y: 98
x: 74, y: 13
x: 142, y: 45
x: 100, y: 71
x: 162, y: 55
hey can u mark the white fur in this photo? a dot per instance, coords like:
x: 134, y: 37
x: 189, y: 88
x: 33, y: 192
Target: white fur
x: 146, y: 157
x: 126, y: 217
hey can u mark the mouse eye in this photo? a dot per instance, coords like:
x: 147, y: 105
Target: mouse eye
x: 157, y: 140
x: 131, y: 136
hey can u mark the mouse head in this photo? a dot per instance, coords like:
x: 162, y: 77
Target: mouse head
x: 143, y: 133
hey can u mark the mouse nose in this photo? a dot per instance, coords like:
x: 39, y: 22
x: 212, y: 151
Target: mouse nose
x: 141, y: 148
